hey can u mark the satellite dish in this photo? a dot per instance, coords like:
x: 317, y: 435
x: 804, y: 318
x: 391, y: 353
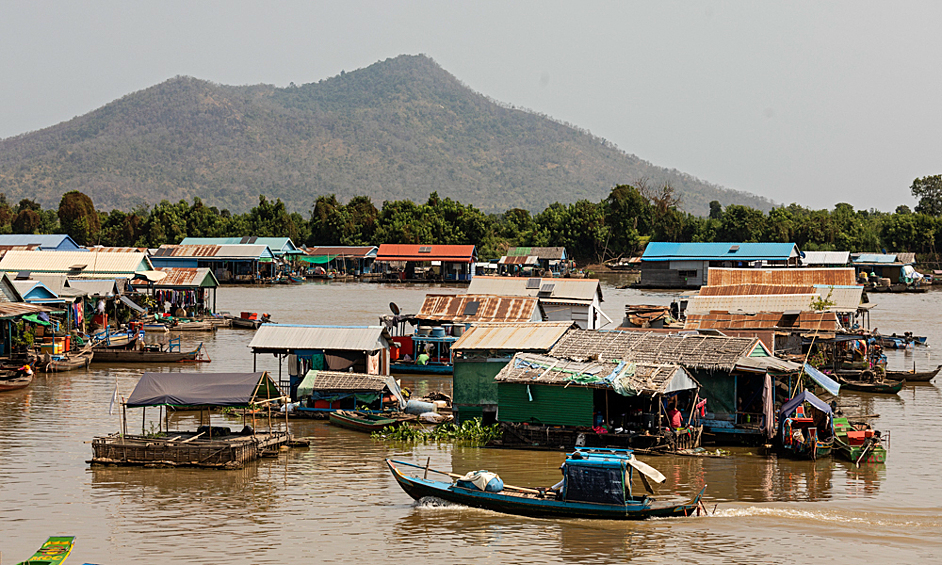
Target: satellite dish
x: 394, y: 308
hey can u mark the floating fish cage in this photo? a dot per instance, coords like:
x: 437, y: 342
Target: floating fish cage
x: 187, y: 449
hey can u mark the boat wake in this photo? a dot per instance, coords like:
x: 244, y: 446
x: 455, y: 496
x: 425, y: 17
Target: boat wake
x: 901, y: 521
x: 434, y: 502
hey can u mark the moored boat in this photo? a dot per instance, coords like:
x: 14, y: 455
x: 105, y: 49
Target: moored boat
x: 913, y: 376
x: 75, y: 359
x: 858, y: 443
x: 361, y: 421
x: 15, y: 378
x: 54, y: 551
x: 806, y: 430
x: 193, y: 327
x: 149, y: 354
x: 596, y: 484
x: 877, y: 387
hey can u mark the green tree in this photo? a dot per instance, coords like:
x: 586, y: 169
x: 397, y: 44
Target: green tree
x: 78, y: 218
x: 929, y: 192
x: 716, y: 210
x: 741, y: 223
x: 27, y: 221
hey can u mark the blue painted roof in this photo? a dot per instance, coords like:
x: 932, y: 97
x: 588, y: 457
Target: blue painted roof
x: 665, y: 251
x: 875, y: 258
x: 54, y: 241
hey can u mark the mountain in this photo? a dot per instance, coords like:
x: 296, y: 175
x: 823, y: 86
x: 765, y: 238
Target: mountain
x: 398, y: 129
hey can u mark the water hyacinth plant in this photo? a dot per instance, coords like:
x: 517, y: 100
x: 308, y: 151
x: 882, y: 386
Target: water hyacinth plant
x: 471, y: 432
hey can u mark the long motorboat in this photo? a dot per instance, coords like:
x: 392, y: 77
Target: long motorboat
x: 148, y: 355
x: 54, y: 551
x: 596, y: 484
x: 15, y: 379
x: 75, y: 359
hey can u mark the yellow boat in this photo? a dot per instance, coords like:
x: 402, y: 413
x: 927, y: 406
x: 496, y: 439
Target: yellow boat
x: 53, y: 552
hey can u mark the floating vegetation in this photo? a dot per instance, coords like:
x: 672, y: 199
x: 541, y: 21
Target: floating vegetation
x: 471, y: 432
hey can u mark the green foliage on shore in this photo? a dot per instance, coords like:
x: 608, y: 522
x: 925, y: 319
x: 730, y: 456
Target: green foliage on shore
x: 471, y: 432
x: 619, y: 225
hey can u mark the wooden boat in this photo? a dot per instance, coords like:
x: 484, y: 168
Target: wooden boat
x: 75, y: 359
x: 596, y: 484
x: 361, y: 421
x: 14, y: 379
x: 858, y: 443
x: 878, y: 387
x: 156, y: 327
x: 913, y: 376
x: 193, y: 327
x: 246, y: 324
x: 54, y: 551
x: 800, y: 434
x: 149, y: 354
x: 115, y: 341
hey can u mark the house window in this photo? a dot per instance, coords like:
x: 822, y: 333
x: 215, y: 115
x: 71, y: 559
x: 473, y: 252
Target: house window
x: 687, y: 274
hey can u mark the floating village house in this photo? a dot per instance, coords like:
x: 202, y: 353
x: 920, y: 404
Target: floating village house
x: 420, y: 263
x: 550, y: 261
x: 208, y: 446
x: 12, y: 309
x: 825, y: 258
x: 483, y: 351
x: 896, y: 267
x: 40, y: 242
x: 193, y: 289
x: 685, y: 265
x: 76, y: 264
x: 560, y: 300
x: 734, y: 374
x: 443, y: 318
x: 231, y: 263
x: 315, y: 348
x: 348, y: 260
x: 321, y: 391
x: 280, y: 246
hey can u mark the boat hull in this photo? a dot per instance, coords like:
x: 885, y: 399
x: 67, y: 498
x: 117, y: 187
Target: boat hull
x: 537, y: 507
x: 15, y: 383
x: 412, y: 368
x: 54, y: 551
x: 875, y: 455
x: 359, y: 422
x: 921, y: 377
x: 876, y: 388
x: 141, y: 356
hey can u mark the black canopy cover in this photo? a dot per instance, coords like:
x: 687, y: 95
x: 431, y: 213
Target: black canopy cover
x: 202, y: 389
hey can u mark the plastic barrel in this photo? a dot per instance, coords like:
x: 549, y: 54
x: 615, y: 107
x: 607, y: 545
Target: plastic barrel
x: 418, y: 407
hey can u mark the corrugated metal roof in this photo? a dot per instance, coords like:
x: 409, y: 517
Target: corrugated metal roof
x: 447, y: 253
x: 552, y: 253
x: 285, y: 337
x: 187, y: 277
x: 772, y: 298
x: 755, y: 289
x: 837, y: 258
x: 28, y: 286
x: 875, y: 258
x: 519, y: 260
x: 118, y: 249
x: 97, y: 287
x: 764, y: 320
x: 520, y: 336
x: 578, y: 289
x: 666, y: 251
x: 93, y: 265
x: 906, y: 258
x: 466, y: 308
x: 784, y: 276
x: 353, y: 251
x: 43, y: 241
x: 278, y: 245
x: 5, y: 248
x: 215, y: 251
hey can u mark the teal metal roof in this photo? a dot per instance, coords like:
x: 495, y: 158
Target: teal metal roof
x: 875, y: 258
x: 666, y: 251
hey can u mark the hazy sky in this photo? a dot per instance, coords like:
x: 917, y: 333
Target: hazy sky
x: 808, y: 102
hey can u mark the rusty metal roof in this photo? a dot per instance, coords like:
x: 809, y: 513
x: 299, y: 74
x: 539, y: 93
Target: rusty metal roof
x: 807, y: 320
x: 519, y: 260
x: 466, y: 308
x: 755, y: 289
x: 782, y: 276
x: 215, y: 251
x: 14, y: 309
x: 353, y: 251
x: 445, y: 253
x: 516, y: 336
x: 183, y: 277
x: 753, y: 298
x: 557, y: 253
x: 118, y: 249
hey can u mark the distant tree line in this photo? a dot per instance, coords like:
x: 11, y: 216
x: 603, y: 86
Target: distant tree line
x: 620, y: 225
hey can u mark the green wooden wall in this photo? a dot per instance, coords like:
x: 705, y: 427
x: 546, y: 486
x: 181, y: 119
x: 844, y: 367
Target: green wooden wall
x: 551, y: 405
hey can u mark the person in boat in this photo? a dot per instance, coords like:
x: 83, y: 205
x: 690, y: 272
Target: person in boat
x: 423, y: 358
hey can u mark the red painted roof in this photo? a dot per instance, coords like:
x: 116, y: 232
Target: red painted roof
x: 448, y: 253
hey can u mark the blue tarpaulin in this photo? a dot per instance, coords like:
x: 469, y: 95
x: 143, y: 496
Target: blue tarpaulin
x: 804, y: 396
x: 826, y: 382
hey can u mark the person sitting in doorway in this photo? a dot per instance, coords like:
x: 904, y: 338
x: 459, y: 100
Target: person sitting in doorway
x: 674, y: 416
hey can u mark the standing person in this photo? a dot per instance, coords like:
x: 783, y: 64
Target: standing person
x: 674, y: 416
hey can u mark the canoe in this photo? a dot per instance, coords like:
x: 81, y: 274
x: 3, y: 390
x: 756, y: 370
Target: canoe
x: 69, y: 361
x: 361, y: 421
x: 54, y: 551
x: 885, y: 387
x: 413, y: 368
x: 14, y: 380
x: 913, y: 377
x: 242, y: 323
x: 155, y: 327
x: 145, y: 356
x: 581, y: 496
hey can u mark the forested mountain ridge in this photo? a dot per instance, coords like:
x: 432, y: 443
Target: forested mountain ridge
x: 398, y: 129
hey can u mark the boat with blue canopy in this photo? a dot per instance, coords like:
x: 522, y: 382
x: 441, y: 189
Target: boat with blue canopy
x: 597, y: 483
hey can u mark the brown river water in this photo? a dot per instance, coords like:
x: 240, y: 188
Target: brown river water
x: 335, y: 502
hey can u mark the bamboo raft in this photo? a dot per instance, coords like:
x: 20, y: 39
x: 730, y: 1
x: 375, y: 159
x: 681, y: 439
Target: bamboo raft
x: 186, y: 449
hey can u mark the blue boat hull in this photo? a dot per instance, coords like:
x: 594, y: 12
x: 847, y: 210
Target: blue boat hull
x: 638, y: 509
